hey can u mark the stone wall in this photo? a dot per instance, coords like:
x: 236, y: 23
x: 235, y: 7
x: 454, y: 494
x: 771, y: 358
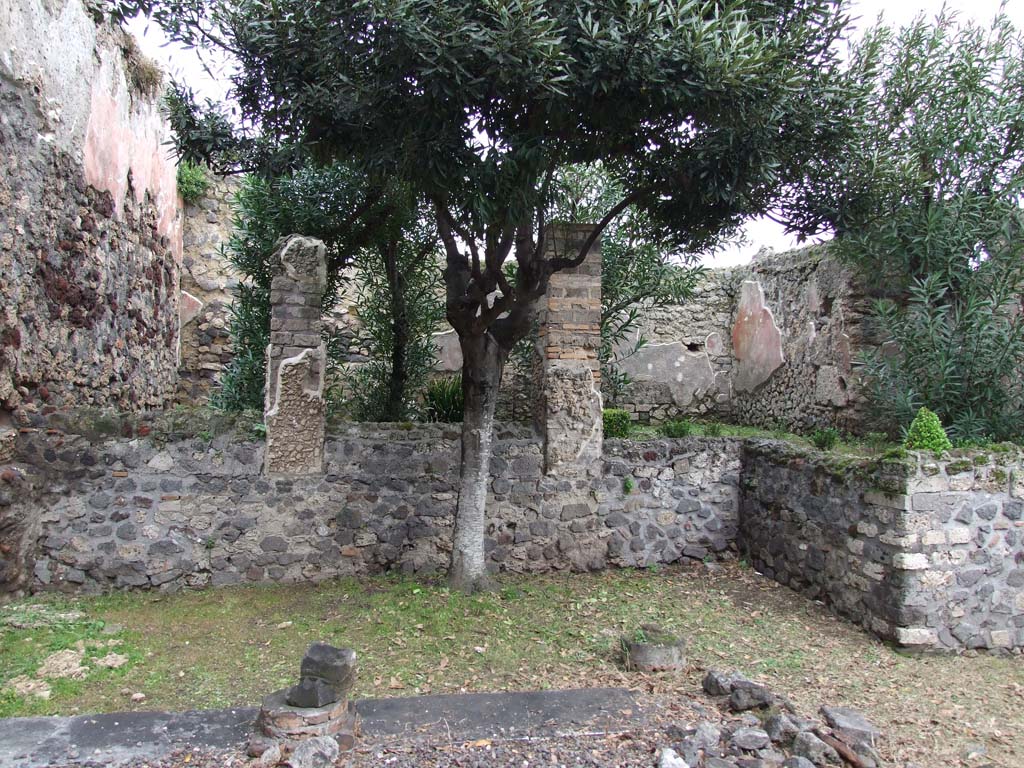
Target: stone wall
x: 925, y: 553
x: 208, y: 283
x: 90, y: 240
x: 768, y: 344
x: 137, y: 513
x: 90, y: 237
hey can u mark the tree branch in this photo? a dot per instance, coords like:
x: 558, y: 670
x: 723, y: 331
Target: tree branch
x: 558, y: 264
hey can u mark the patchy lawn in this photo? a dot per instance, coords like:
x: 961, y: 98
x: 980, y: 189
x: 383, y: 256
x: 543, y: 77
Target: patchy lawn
x: 230, y: 646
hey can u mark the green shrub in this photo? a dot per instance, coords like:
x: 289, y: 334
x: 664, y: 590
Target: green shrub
x: 443, y: 399
x: 825, y: 439
x: 616, y: 422
x: 926, y: 433
x: 193, y: 182
x: 677, y: 428
x: 714, y: 429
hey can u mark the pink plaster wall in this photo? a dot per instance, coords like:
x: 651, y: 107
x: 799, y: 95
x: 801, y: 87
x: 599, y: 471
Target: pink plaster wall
x: 126, y: 136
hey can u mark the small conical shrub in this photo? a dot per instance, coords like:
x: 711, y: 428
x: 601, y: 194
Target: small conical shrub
x: 926, y: 433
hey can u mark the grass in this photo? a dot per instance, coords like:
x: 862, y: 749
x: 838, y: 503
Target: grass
x: 231, y: 646
x: 869, y: 446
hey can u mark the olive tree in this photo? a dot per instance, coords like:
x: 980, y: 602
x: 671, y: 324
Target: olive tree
x: 702, y: 112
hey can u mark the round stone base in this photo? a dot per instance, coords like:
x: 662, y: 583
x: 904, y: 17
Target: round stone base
x: 282, y: 724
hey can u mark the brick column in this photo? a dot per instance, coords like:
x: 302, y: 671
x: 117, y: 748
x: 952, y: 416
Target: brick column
x: 296, y: 359
x: 569, y: 338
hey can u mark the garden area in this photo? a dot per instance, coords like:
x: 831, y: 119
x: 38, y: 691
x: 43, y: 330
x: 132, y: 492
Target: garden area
x: 227, y: 647
x: 391, y: 373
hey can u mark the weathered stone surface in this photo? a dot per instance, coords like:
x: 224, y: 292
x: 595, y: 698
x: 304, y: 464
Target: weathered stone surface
x: 810, y: 747
x: 318, y: 752
x: 448, y: 352
x: 570, y: 402
x: 327, y: 673
x: 718, y: 683
x: 756, y: 340
x: 851, y: 726
x: 686, y: 375
x: 747, y: 695
x: 311, y: 693
x: 657, y: 651
x: 669, y: 758
x: 749, y: 739
x: 296, y: 363
x: 819, y: 310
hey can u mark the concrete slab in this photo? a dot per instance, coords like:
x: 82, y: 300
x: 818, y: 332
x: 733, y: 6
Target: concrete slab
x: 115, y: 739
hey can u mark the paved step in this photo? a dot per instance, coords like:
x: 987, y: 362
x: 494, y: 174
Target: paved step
x: 118, y: 738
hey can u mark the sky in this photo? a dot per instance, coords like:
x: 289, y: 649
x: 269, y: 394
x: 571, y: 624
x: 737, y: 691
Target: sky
x: 184, y: 65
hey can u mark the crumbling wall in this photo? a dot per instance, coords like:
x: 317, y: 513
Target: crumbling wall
x: 139, y: 514
x: 769, y: 344
x: 924, y: 552
x: 208, y: 283
x: 90, y: 238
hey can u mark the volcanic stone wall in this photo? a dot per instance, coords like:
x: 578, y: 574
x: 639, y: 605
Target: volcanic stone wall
x: 923, y: 552
x: 769, y: 344
x: 208, y: 283
x: 135, y: 513
x: 89, y: 218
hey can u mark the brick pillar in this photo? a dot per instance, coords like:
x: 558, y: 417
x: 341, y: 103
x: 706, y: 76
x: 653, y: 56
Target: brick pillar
x: 296, y: 359
x: 569, y: 338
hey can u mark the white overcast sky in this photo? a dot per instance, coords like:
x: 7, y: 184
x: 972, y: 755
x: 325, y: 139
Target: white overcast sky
x: 184, y: 66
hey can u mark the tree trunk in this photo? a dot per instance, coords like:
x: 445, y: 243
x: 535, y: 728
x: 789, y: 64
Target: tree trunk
x: 397, y: 383
x: 482, y: 362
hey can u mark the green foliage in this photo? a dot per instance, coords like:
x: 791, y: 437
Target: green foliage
x: 824, y: 439
x: 398, y: 303
x: 926, y: 201
x: 443, y: 399
x: 701, y: 116
x: 193, y: 181
x: 317, y: 202
x: 628, y: 485
x: 926, y: 433
x: 713, y: 429
x: 679, y: 428
x: 641, y: 270
x: 616, y: 422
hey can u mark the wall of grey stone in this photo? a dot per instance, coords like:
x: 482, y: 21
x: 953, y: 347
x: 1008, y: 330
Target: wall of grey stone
x: 922, y: 552
x: 926, y: 553
x: 140, y: 514
x: 964, y: 571
x: 777, y: 353
x: 90, y: 237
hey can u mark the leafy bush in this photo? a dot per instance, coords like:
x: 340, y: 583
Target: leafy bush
x: 616, y: 422
x: 193, y: 181
x: 398, y: 302
x: 824, y: 439
x: 713, y: 429
x: 443, y: 399
x: 926, y: 433
x: 677, y: 428
x: 925, y: 203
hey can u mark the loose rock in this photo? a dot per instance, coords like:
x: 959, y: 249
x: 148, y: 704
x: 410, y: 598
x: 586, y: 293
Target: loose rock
x: 749, y: 739
x: 809, y: 746
x: 318, y: 752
